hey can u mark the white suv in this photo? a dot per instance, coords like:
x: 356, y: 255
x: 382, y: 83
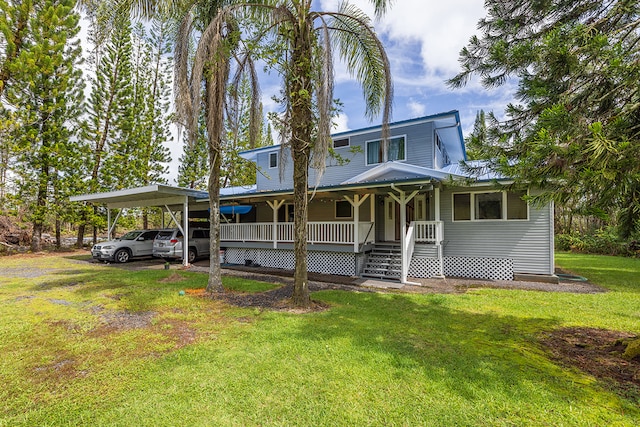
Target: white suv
x: 134, y: 244
x: 168, y: 244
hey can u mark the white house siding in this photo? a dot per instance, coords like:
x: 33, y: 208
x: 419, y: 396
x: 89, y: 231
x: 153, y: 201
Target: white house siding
x: 419, y: 151
x: 527, y: 243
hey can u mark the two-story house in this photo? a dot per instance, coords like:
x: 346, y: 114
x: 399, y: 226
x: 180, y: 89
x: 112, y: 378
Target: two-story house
x: 396, y: 210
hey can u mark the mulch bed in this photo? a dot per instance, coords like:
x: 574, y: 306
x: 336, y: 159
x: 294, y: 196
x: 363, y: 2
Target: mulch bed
x: 596, y: 352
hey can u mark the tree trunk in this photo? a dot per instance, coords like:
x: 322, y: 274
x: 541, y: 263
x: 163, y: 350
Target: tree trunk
x: 299, y: 87
x: 215, y: 93
x: 58, y: 239
x: 80, y: 235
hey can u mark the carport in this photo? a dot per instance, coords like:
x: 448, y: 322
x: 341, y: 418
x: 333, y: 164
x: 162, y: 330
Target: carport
x: 171, y: 199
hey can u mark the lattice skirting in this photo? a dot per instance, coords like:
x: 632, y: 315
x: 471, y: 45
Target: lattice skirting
x: 471, y: 267
x: 339, y: 263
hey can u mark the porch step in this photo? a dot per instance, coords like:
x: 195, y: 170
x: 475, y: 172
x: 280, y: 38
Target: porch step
x: 384, y: 262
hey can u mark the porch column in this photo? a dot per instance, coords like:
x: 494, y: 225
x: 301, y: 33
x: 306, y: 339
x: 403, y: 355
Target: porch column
x: 403, y: 200
x: 436, y: 199
x: 275, y: 205
x: 372, y: 215
x: 108, y: 225
x: 185, y: 238
x: 356, y: 203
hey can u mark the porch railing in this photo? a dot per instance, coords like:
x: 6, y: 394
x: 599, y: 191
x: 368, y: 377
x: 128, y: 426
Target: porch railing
x: 428, y: 231
x: 337, y: 232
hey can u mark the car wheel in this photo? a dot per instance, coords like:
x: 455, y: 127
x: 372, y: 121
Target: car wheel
x: 192, y: 255
x: 122, y: 256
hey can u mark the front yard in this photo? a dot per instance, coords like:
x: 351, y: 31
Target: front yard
x: 87, y: 344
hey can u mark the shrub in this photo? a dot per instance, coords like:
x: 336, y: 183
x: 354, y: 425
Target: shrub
x: 603, y: 241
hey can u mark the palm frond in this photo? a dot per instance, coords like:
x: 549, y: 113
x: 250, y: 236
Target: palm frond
x: 365, y: 58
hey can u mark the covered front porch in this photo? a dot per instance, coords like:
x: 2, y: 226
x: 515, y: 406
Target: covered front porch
x: 404, y: 213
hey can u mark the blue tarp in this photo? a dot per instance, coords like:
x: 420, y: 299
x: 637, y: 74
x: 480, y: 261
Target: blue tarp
x: 235, y: 209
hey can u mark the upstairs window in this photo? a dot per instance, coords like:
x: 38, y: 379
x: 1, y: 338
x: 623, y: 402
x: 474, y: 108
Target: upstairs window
x: 339, y: 143
x: 495, y: 205
x: 273, y: 160
x: 396, y: 150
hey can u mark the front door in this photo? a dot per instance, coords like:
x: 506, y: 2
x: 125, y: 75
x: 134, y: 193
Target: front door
x: 417, y: 210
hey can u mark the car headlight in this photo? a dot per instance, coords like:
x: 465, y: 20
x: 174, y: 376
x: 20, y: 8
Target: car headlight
x: 108, y: 247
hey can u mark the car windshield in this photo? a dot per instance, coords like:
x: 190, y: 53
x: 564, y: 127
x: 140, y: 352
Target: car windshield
x: 132, y: 235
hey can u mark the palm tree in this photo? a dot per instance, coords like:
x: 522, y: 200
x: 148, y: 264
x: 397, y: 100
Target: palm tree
x: 307, y: 39
x: 209, y: 27
x: 216, y: 31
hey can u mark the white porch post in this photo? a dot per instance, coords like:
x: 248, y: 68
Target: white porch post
x: 436, y: 197
x: 185, y: 238
x: 372, y: 215
x: 275, y: 205
x: 356, y: 203
x: 108, y: 225
x: 403, y: 200
x: 356, y: 221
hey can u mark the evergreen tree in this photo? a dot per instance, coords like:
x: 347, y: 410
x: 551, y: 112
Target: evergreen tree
x: 193, y: 170
x: 235, y: 170
x: 575, y: 131
x: 47, y: 95
x: 14, y: 33
x: 477, y: 138
x: 115, y: 111
x: 152, y: 103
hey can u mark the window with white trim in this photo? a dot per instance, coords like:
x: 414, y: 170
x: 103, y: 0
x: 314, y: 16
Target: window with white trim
x: 396, y: 150
x: 339, y: 143
x: 344, y: 209
x: 490, y: 205
x: 273, y: 160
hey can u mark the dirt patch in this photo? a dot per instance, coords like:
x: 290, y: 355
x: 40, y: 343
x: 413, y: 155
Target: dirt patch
x: 120, y: 320
x: 598, y: 353
x: 276, y: 299
x: 173, y: 278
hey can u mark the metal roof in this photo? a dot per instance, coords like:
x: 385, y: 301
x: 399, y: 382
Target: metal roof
x: 151, y: 195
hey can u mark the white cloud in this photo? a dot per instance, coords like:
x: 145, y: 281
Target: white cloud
x: 417, y: 109
x: 441, y: 28
x: 341, y: 123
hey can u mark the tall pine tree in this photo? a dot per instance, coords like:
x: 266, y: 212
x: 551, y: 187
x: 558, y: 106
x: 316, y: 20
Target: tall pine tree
x: 47, y: 95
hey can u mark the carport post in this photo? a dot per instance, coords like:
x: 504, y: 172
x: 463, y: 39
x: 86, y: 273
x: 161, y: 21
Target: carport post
x: 185, y: 219
x: 110, y: 226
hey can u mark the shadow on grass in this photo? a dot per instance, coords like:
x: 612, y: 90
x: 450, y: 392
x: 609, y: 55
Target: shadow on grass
x: 477, y: 355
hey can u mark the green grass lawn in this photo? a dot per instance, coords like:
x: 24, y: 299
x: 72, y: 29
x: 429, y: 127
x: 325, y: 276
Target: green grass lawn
x: 86, y: 344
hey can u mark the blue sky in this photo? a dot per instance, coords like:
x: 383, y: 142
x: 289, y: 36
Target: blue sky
x: 423, y: 39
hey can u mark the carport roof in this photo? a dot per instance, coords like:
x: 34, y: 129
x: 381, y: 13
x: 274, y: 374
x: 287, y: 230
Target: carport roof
x: 151, y: 195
